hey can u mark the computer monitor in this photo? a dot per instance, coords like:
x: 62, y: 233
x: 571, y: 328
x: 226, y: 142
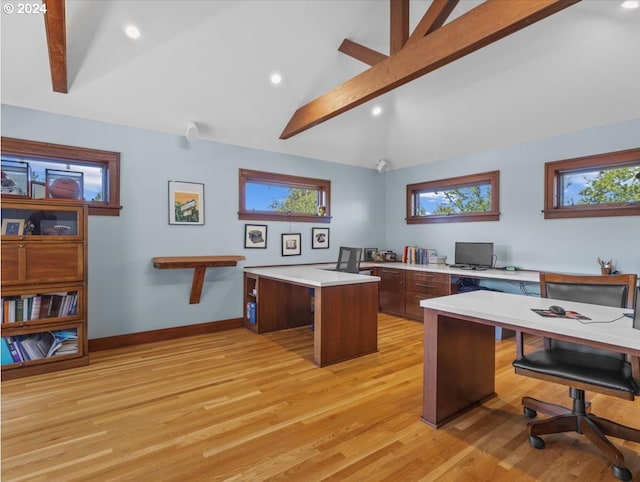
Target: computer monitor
x: 474, y: 254
x: 349, y: 259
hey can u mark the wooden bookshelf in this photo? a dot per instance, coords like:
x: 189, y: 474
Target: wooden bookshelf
x: 44, y: 285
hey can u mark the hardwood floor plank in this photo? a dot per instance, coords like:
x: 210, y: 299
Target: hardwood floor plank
x: 235, y: 405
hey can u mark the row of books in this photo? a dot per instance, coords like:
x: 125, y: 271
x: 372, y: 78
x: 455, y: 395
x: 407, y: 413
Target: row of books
x: 21, y: 348
x: 415, y: 255
x: 34, y: 307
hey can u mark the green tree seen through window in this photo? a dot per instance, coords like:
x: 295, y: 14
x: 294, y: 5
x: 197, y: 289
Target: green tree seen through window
x: 298, y: 201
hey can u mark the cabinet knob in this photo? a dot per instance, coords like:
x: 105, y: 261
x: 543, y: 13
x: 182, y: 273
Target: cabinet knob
x: 21, y: 246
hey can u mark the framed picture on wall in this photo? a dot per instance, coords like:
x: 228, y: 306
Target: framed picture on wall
x: 186, y: 203
x: 291, y: 244
x: 255, y: 236
x: 320, y: 238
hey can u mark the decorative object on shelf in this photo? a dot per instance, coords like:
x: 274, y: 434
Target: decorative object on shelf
x: 369, y: 254
x: 186, y: 203
x: 38, y: 190
x: 55, y: 228
x: 291, y: 244
x: 64, y: 184
x: 605, y: 266
x: 320, y: 238
x: 255, y: 236
x: 12, y: 227
x: 15, y: 178
x: 322, y: 210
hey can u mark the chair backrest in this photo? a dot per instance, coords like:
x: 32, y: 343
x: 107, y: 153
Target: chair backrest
x: 609, y: 290
x: 349, y: 259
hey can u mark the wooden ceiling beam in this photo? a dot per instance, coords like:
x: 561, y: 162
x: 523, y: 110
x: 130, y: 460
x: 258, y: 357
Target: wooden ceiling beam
x: 434, y: 18
x: 481, y: 26
x: 55, y: 25
x: 361, y: 53
x: 399, y: 24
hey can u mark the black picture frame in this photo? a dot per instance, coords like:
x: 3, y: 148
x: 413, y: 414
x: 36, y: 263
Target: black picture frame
x: 255, y: 236
x: 319, y: 238
x: 367, y: 253
x: 291, y: 244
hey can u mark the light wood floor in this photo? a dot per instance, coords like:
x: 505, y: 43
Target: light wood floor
x: 240, y: 406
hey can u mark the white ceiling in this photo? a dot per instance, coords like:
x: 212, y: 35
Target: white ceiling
x: 209, y: 61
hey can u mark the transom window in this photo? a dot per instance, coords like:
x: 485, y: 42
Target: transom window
x: 600, y: 185
x: 268, y: 196
x: 466, y: 198
x: 95, y: 174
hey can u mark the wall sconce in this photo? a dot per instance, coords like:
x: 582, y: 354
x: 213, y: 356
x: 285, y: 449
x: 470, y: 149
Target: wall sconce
x: 381, y: 165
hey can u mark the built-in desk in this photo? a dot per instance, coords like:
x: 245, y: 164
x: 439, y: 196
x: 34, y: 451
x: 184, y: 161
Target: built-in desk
x: 459, y: 345
x: 403, y: 286
x: 342, y: 307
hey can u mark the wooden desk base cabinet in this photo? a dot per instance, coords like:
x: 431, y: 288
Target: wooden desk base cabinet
x: 344, y: 317
x: 459, y: 367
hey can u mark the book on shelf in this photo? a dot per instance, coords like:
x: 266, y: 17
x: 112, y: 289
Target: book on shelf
x: 46, y: 344
x: 416, y: 255
x: 34, y: 307
x: 7, y: 359
x: 14, y: 350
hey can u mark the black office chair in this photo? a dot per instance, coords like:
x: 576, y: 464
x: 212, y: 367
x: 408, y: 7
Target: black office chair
x: 582, y: 368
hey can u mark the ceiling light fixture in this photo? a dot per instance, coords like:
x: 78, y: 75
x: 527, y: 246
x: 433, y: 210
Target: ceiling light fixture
x: 376, y: 110
x: 630, y: 4
x: 132, y: 31
x: 276, y: 78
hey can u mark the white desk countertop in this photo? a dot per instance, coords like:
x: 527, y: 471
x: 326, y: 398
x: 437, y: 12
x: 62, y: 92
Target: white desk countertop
x: 519, y: 275
x: 312, y: 275
x: 514, y: 311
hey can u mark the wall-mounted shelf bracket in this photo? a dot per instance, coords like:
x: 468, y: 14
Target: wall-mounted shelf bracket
x: 200, y: 265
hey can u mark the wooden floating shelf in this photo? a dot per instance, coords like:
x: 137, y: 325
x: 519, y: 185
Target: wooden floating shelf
x: 200, y: 265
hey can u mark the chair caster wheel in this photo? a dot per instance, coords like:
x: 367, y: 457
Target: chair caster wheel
x: 621, y: 473
x: 536, y: 442
x: 529, y: 412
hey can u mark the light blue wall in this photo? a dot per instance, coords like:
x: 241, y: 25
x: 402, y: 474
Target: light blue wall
x: 126, y: 294
x: 522, y: 236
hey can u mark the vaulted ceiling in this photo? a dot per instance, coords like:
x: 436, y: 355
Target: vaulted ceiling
x: 210, y: 62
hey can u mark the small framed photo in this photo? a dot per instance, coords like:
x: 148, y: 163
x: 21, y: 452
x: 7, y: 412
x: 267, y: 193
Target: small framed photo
x: 186, y: 203
x: 320, y: 238
x: 64, y: 184
x: 291, y: 244
x: 255, y: 236
x: 12, y: 227
x: 15, y: 178
x: 368, y: 253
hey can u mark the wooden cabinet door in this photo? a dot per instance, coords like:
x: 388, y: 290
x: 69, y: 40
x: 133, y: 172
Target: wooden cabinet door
x: 42, y: 263
x: 391, y: 290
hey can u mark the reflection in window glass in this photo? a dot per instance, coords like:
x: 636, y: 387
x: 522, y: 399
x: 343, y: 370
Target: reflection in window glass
x: 466, y: 199
x: 599, y: 186
x: 93, y: 176
x: 271, y: 197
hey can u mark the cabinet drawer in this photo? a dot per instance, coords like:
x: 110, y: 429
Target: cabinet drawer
x: 437, y: 284
x: 412, y: 304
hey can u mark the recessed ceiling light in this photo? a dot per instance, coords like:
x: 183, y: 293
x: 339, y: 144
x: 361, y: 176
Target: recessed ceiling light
x: 276, y: 78
x: 132, y: 31
x: 630, y: 4
x: 376, y: 110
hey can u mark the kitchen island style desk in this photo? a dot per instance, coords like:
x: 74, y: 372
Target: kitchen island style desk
x: 459, y: 346
x: 343, y: 308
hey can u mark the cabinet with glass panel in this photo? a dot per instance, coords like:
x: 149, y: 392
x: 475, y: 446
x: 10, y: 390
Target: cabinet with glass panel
x: 44, y: 286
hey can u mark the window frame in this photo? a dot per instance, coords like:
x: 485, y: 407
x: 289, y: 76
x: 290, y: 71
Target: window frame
x: 107, y: 160
x: 491, y: 177
x: 321, y: 185
x: 553, y: 171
